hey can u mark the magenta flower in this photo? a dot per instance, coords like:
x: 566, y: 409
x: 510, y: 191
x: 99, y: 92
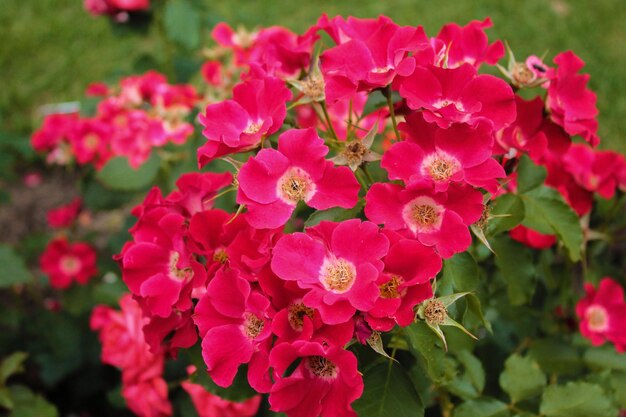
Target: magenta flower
x: 458, y: 95
x: 526, y: 133
x: 593, y: 170
x: 295, y: 321
x: 572, y: 105
x: 435, y: 219
x: 404, y: 283
x: 158, y: 266
x: 602, y: 314
x: 195, y: 191
x: 66, y: 262
x: 370, y: 52
x: 234, y: 323
x: 275, y: 49
x: 338, y: 263
x: 436, y: 157
x: 469, y: 44
x: 258, y: 109
x: 324, y: 383
x: 273, y: 182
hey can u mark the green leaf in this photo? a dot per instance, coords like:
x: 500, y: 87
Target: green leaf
x: 605, y: 357
x: 483, y: 407
x: 11, y: 365
x: 388, y: 392
x: 576, y: 399
x: 5, y: 398
x: 117, y: 174
x: 522, y: 378
x: 548, y: 213
x: 239, y: 391
x: 470, y: 384
x: 529, y: 175
x: 335, y: 214
x: 507, y: 212
x: 515, y: 263
x: 425, y: 346
x: 376, y: 343
x: 28, y: 404
x: 462, y: 271
x: 618, y: 383
x: 13, y: 269
x: 182, y: 23
x: 473, y: 316
x: 556, y: 356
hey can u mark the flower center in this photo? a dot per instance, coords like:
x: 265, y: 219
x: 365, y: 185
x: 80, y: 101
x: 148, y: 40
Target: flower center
x: 354, y: 152
x: 220, y: 256
x: 252, y: 325
x: 253, y: 128
x: 423, y: 214
x: 440, y: 166
x: 296, y: 314
x: 91, y: 141
x: 295, y: 185
x: 70, y: 264
x: 337, y: 275
x: 181, y: 274
x: 321, y: 367
x: 445, y: 103
x: 381, y: 70
x: 313, y: 87
x: 522, y: 75
x: 597, y: 318
x: 390, y: 288
x: 435, y: 312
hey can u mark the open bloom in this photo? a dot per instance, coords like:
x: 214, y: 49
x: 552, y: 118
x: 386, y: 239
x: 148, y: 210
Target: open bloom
x: 370, y: 52
x: 272, y: 183
x: 572, y: 105
x: 458, y: 95
x: 435, y: 219
x: 404, y: 283
x: 324, y: 383
x: 234, y: 323
x: 275, y: 49
x: 594, y: 170
x: 469, y: 44
x: 258, y: 109
x: 435, y: 157
x: 602, y: 314
x: 338, y: 263
x: 66, y: 262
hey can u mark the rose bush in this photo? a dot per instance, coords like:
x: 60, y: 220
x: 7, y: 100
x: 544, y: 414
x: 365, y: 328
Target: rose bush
x: 356, y: 220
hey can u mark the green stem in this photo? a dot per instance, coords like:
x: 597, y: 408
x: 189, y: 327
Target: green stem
x: 392, y: 112
x: 328, y: 122
x: 367, y: 174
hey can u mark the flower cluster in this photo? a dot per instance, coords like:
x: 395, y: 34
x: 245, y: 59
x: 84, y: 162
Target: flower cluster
x: 602, y: 314
x: 145, y: 112
x: 261, y: 290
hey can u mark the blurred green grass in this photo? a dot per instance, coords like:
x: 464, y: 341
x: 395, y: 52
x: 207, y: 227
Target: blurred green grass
x: 51, y: 49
